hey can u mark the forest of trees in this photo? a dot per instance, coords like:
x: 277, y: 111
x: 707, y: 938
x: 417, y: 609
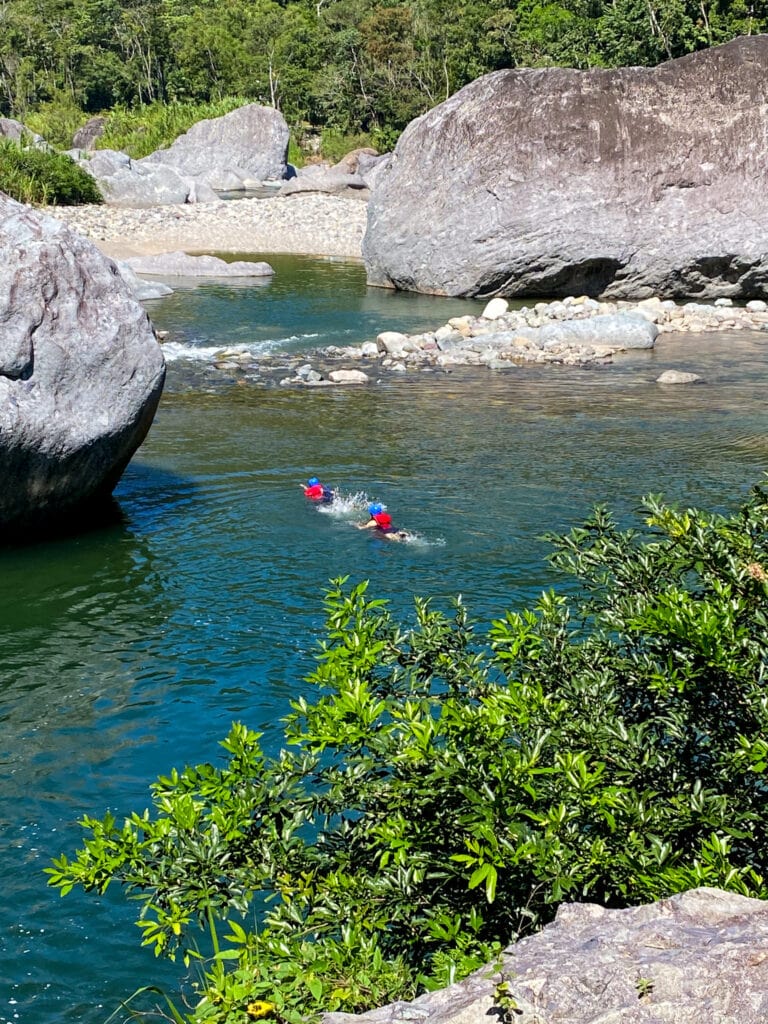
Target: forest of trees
x: 350, y: 65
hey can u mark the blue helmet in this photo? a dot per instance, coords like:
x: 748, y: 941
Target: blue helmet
x: 375, y: 508
x: 313, y: 481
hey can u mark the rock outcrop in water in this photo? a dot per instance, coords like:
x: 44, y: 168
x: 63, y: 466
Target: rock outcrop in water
x: 696, y: 958
x: 81, y: 372
x: 616, y: 183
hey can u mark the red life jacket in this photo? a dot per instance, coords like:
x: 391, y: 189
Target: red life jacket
x: 315, y: 492
x: 383, y: 520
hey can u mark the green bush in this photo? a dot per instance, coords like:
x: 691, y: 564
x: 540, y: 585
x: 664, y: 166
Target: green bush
x: 44, y: 177
x: 444, y: 790
x: 334, y: 144
x: 57, y: 120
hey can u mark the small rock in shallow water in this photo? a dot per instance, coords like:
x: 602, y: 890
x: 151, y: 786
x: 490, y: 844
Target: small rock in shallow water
x: 348, y: 377
x: 677, y: 377
x: 495, y: 309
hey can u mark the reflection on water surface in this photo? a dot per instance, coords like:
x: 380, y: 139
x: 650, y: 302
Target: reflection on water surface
x: 132, y: 648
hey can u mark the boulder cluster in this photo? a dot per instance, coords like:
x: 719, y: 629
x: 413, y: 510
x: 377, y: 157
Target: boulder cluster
x: 238, y: 151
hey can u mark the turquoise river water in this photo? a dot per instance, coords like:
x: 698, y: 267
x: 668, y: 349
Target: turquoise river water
x: 132, y: 648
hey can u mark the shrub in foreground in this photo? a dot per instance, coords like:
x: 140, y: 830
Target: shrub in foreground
x: 42, y: 176
x: 442, y: 790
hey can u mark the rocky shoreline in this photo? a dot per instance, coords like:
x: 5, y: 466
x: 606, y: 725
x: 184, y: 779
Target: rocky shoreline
x: 574, y: 331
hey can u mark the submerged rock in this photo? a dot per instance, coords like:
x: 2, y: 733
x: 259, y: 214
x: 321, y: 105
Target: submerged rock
x: 620, y: 183
x: 181, y: 264
x: 677, y: 377
x: 81, y: 372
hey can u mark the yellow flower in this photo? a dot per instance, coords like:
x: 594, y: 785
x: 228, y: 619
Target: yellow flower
x: 259, y: 1008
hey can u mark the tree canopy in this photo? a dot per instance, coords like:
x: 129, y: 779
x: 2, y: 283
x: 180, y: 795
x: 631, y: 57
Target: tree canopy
x: 349, y: 65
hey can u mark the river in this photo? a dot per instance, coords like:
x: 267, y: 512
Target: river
x: 132, y: 648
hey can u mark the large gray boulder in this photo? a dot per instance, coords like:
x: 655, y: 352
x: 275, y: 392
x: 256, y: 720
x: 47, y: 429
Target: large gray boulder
x: 623, y: 183
x: 697, y: 958
x: 239, y: 150
x: 16, y: 132
x: 136, y: 183
x: 81, y: 372
x: 85, y: 137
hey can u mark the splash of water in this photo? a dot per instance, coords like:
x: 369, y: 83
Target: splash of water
x: 196, y: 350
x: 346, y: 506
x: 349, y: 507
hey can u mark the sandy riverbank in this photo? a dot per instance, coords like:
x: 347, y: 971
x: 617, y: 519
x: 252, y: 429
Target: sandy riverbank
x: 311, y: 224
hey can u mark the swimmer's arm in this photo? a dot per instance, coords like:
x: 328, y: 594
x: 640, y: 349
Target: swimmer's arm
x: 368, y: 525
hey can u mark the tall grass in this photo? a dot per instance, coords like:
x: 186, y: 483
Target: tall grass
x: 142, y: 130
x: 44, y: 177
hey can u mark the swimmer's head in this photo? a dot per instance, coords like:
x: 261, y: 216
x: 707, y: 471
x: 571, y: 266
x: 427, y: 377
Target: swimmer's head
x: 375, y: 509
x: 313, y: 481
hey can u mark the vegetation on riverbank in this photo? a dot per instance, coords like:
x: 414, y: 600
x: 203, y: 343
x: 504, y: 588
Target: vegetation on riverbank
x: 365, y: 67
x: 445, y: 788
x: 42, y: 176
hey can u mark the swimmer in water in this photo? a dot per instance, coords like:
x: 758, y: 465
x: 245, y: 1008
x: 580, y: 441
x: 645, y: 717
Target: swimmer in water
x: 381, y: 521
x: 318, y: 492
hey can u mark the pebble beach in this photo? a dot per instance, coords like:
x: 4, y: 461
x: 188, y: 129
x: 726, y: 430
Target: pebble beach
x: 308, y: 224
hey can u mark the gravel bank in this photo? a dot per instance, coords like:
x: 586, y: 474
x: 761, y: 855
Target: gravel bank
x: 310, y: 224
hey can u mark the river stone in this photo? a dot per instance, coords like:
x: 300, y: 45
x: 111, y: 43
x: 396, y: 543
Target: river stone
x: 677, y: 377
x: 81, y: 371
x: 348, y: 377
x: 393, y: 343
x: 85, y: 137
x: 239, y: 150
x: 696, y: 958
x: 494, y: 309
x: 331, y: 181
x: 181, y: 264
x: 621, y: 183
x: 619, y: 331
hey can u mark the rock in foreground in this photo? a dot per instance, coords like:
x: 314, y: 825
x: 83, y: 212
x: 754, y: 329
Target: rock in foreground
x: 623, y: 184
x: 81, y: 372
x: 694, y: 958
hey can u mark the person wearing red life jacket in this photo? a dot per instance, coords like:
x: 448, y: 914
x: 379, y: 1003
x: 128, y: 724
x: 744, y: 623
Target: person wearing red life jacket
x: 381, y: 521
x: 316, y: 491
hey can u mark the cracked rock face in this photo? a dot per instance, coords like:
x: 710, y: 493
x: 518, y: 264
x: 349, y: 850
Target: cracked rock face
x: 548, y: 182
x: 81, y: 371
x: 700, y: 956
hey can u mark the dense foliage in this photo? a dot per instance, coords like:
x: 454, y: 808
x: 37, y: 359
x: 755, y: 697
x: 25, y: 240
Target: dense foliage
x: 350, y: 65
x: 41, y: 176
x: 443, y: 789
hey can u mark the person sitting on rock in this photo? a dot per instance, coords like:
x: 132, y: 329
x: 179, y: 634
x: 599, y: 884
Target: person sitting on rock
x: 318, y: 492
x: 381, y: 521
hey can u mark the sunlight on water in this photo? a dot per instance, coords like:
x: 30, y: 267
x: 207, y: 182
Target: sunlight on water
x: 132, y: 648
